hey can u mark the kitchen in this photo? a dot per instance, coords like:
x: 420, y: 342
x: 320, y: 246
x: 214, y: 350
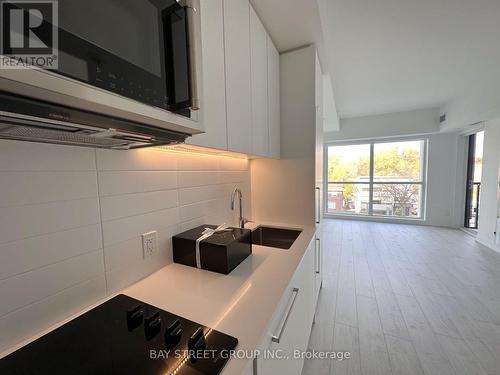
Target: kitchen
x: 83, y: 226
x: 246, y: 187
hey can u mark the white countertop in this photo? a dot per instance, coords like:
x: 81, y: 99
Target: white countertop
x: 240, y: 304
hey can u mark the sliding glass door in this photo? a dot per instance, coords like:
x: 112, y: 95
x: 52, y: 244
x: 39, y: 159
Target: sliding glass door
x: 376, y: 178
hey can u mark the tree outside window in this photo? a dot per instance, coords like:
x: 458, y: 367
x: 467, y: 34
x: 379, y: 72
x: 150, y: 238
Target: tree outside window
x: 395, y: 186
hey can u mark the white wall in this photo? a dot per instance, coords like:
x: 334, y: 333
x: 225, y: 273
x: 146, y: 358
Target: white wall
x: 71, y: 220
x: 280, y: 191
x: 421, y: 121
x: 446, y: 180
x: 490, y: 197
x: 298, y: 99
x: 330, y: 114
x: 481, y: 102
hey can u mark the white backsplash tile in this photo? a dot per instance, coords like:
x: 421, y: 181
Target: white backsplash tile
x: 119, y: 206
x: 28, y: 156
x: 198, y: 178
x: 232, y: 176
x: 47, y: 312
x: 26, y: 255
x: 120, y: 257
x: 137, y: 160
x: 71, y: 221
x: 126, y: 182
x: 119, y: 230
x: 200, y: 193
x: 19, y: 222
x: 125, y: 253
x: 29, y: 287
x: 195, y: 162
x: 199, y: 209
x: 20, y: 188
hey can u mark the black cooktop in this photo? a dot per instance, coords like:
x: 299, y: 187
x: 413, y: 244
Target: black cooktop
x: 124, y: 336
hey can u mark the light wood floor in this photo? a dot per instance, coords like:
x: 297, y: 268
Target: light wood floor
x: 406, y: 299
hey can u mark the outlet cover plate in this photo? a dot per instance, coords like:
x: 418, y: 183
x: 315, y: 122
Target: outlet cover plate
x: 149, y: 244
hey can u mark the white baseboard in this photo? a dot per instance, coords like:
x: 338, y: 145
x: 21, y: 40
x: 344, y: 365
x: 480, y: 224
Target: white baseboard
x: 470, y: 232
x: 489, y: 244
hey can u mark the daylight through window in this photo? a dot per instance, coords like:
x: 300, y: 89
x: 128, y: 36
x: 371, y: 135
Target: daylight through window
x: 377, y: 179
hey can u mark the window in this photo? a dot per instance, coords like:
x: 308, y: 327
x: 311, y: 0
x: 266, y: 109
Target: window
x: 376, y: 178
x: 473, y: 183
x: 349, y: 173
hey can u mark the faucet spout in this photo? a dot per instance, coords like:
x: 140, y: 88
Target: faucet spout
x: 241, y: 219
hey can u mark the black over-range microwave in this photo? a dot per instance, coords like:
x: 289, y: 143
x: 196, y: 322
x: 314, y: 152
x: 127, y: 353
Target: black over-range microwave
x: 140, y: 49
x: 136, y: 48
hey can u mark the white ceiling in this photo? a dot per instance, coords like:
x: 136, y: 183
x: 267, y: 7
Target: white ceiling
x: 393, y: 55
x: 291, y: 23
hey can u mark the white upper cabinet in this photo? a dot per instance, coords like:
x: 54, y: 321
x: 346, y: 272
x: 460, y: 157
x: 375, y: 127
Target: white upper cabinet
x: 273, y: 93
x: 258, y: 67
x: 241, y: 87
x: 238, y: 87
x: 214, y: 95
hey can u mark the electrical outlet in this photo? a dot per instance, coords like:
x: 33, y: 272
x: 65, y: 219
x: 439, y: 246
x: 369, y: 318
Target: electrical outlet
x: 149, y: 244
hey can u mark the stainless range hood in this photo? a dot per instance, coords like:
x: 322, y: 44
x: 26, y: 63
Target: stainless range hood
x: 26, y: 119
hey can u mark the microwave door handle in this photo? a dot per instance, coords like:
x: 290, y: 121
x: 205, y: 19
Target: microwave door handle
x: 193, y: 21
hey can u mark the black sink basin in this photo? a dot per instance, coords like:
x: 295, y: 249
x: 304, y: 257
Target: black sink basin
x: 275, y: 237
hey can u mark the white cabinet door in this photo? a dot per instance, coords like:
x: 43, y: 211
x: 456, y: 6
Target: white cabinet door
x: 291, y: 325
x: 319, y: 140
x: 238, y: 88
x: 273, y: 92
x: 318, y: 266
x: 258, y: 67
x: 214, y: 90
x: 307, y: 318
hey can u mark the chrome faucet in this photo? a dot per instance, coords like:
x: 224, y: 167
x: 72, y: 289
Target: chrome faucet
x: 241, y: 220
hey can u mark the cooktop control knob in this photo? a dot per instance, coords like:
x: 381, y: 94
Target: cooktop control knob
x: 173, y: 333
x: 196, y: 344
x: 134, y: 317
x: 152, y: 325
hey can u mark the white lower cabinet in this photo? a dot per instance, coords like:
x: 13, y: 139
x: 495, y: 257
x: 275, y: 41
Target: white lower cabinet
x: 289, y: 329
x: 318, y: 266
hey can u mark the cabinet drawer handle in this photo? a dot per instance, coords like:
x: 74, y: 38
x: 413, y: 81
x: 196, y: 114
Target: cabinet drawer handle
x: 318, y: 205
x: 277, y: 338
x: 318, y: 255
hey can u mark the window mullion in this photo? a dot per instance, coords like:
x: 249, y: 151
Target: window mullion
x: 370, y: 199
